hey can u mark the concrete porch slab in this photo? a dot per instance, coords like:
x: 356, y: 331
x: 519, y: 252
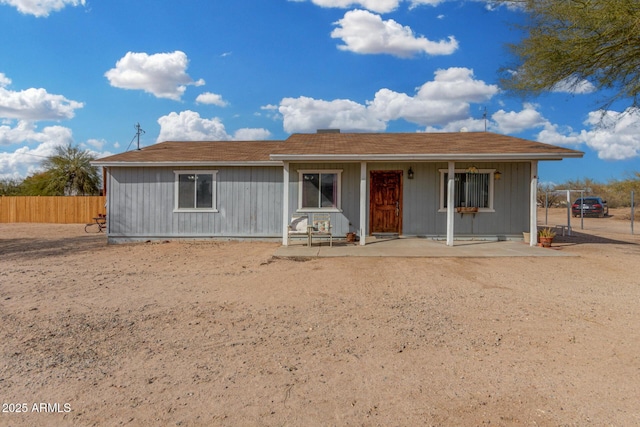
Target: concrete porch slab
x: 421, y: 248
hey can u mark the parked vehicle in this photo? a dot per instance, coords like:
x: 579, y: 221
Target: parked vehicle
x: 590, y: 206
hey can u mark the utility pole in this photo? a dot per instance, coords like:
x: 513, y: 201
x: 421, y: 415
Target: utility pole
x: 139, y: 132
x: 484, y: 116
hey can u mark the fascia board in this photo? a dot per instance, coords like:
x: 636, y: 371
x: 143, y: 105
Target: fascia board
x: 278, y: 159
x: 423, y: 157
x: 184, y: 164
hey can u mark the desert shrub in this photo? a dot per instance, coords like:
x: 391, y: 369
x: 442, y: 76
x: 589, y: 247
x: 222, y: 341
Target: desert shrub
x: 620, y: 192
x: 617, y: 193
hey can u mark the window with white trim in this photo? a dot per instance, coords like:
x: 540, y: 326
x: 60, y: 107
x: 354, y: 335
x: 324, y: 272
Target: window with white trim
x: 472, y: 189
x: 319, y: 190
x: 195, y: 190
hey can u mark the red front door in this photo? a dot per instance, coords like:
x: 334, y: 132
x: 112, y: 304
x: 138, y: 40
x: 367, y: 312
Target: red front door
x: 385, y: 204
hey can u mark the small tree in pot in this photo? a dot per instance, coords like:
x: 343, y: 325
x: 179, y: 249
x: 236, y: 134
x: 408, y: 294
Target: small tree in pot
x: 546, y: 236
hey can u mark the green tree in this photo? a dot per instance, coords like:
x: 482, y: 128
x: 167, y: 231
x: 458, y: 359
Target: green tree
x: 70, y: 173
x: 10, y: 187
x: 569, y: 41
x: 37, y: 185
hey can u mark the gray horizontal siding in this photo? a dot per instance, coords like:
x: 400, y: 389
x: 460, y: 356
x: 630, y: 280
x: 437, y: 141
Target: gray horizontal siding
x: 249, y: 199
x: 511, y: 204
x: 349, y: 217
x: 421, y: 200
x: 249, y: 202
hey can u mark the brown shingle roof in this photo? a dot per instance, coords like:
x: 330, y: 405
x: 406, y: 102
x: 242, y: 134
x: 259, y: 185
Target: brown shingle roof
x: 204, y: 151
x: 415, y: 143
x: 346, y: 146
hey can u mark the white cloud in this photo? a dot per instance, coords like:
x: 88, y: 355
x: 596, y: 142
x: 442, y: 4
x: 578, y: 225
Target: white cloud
x: 614, y: 135
x: 270, y: 108
x: 457, y: 84
x: 379, y: 6
x: 389, y: 105
x: 555, y: 135
x: 212, y: 99
x: 162, y: 74
x: 574, y: 86
x: 34, y: 104
x: 97, y: 144
x: 25, y: 161
x: 270, y: 111
x: 516, y: 122
x: 366, y: 33
x: 25, y: 132
x: 416, y: 3
x: 469, y: 124
x: 95, y: 148
x: 509, y: 122
x: 248, y: 134
x: 515, y: 5
x: 189, y: 126
x: 41, y: 8
x: 305, y: 114
x: 4, y: 80
x: 444, y: 100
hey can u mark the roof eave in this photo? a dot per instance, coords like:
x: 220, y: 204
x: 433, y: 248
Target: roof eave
x: 424, y: 157
x: 278, y: 159
x: 125, y: 164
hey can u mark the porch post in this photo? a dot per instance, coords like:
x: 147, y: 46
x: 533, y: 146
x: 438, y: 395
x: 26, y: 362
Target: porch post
x: 569, y: 210
x: 106, y: 176
x: 363, y: 202
x: 533, y: 216
x: 450, y: 201
x: 285, y: 203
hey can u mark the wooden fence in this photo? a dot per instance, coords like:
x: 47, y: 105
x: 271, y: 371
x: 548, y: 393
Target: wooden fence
x: 51, y: 209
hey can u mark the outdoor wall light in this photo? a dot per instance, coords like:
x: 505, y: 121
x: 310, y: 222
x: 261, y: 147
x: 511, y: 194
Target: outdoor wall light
x: 472, y: 169
x: 497, y: 175
x: 410, y: 173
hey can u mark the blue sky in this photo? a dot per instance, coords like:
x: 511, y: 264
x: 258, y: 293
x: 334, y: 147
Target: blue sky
x: 85, y: 72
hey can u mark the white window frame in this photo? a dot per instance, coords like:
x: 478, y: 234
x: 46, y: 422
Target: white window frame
x: 214, y: 190
x: 492, y: 180
x: 338, y: 196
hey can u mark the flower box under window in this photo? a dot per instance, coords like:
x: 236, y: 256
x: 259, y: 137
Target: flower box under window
x: 464, y: 209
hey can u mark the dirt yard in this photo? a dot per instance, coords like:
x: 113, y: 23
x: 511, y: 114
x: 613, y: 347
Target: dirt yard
x: 222, y: 333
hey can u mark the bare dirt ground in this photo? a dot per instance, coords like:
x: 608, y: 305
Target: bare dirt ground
x: 221, y: 333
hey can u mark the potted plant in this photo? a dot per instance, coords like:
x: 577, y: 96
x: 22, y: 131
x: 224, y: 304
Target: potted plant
x: 546, y: 236
x: 466, y: 209
x: 351, y: 234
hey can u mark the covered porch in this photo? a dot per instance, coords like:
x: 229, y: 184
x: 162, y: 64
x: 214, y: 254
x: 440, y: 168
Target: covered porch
x: 362, y: 180
x: 419, y: 248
